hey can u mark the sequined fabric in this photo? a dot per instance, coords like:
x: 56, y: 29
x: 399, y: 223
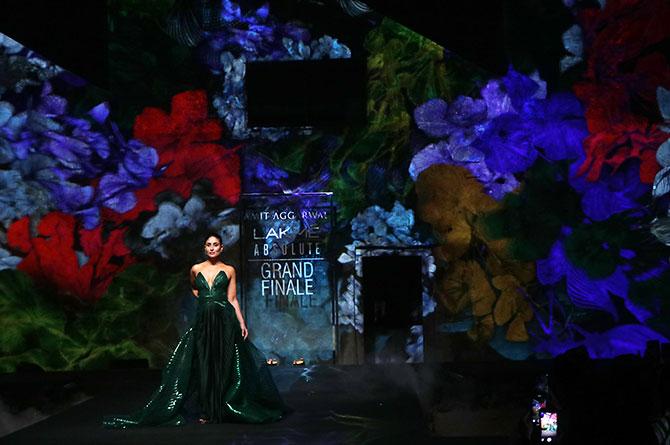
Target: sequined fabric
x: 213, y: 365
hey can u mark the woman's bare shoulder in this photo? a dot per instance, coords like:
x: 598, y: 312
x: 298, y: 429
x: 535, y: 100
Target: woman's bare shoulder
x: 230, y: 270
x: 197, y: 267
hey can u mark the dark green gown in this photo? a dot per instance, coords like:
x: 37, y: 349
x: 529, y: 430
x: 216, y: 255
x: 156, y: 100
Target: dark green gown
x: 213, y: 366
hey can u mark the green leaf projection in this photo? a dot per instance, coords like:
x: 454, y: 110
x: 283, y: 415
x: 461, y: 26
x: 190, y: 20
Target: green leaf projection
x: 34, y: 326
x: 134, y: 320
x: 404, y: 70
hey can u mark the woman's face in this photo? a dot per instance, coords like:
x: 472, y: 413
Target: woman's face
x: 213, y: 247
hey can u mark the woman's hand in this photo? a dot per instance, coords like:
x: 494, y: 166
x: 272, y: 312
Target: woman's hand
x: 245, y: 332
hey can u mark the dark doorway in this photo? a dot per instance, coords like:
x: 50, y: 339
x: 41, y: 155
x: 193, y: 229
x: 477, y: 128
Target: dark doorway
x: 391, y: 305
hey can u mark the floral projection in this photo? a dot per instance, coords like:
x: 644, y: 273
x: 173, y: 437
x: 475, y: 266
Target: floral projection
x: 186, y: 141
x: 380, y: 228
x: 256, y: 36
x: 76, y: 282
x: 84, y: 274
x: 388, y: 232
x: 57, y: 151
x: 547, y: 206
x: 572, y: 175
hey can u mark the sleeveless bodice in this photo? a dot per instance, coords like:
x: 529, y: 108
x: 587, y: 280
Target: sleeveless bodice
x: 218, y: 291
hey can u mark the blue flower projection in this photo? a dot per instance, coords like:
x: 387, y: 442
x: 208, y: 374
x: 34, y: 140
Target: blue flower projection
x: 384, y: 229
x: 595, y: 281
x: 20, y: 196
x: 51, y: 152
x: 585, y: 291
x: 498, y: 137
x: 85, y: 149
x: 661, y: 188
x: 261, y: 175
x: 502, y: 133
x: 616, y: 192
x: 256, y: 36
x: 27, y: 68
x: 574, y: 45
x: 506, y: 144
x: 442, y: 152
x: 461, y: 121
x: 7, y: 260
x: 172, y: 221
x: 378, y: 227
x: 623, y: 339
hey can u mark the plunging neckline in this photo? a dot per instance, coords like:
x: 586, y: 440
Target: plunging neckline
x: 215, y: 277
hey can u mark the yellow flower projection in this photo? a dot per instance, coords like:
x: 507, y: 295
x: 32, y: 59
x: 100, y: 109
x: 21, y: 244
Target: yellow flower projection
x: 476, y: 272
x: 450, y: 199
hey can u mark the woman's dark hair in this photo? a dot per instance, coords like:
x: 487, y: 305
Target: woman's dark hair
x: 215, y: 235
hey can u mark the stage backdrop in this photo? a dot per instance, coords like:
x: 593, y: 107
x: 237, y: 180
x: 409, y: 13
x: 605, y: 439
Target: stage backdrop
x: 544, y: 195
x: 287, y: 294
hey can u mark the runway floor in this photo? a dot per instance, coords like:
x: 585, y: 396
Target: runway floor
x: 333, y: 405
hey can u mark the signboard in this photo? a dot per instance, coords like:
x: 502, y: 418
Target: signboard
x: 287, y: 291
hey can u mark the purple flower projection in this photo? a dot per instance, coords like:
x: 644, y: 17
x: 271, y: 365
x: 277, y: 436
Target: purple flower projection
x: 556, y: 125
x: 586, y: 292
x: 115, y: 190
x: 255, y: 35
x: 261, y: 175
x: 502, y: 133
x: 506, y: 144
x: 623, y: 339
x: 443, y: 152
x: 76, y: 151
x: 461, y: 122
x: 520, y: 89
x: 613, y: 193
x: 496, y: 98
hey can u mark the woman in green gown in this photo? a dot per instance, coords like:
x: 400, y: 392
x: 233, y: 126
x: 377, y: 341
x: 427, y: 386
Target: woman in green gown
x: 213, y: 365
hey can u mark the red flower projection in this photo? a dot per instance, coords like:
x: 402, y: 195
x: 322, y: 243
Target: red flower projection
x: 623, y: 69
x: 620, y: 142
x: 50, y: 256
x: 186, y: 141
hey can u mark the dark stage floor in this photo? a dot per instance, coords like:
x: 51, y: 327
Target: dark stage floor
x: 333, y: 405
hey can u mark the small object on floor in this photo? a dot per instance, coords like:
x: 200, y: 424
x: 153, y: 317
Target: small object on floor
x: 202, y: 421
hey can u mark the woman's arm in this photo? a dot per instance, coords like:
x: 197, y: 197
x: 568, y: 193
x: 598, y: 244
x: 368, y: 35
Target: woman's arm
x: 232, y: 299
x: 193, y: 274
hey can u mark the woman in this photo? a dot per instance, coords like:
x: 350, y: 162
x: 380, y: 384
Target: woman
x: 213, y: 365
